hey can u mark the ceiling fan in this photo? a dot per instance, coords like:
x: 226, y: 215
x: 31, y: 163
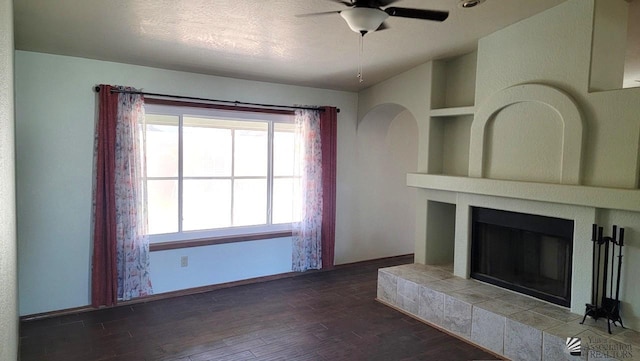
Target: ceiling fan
x: 365, y: 16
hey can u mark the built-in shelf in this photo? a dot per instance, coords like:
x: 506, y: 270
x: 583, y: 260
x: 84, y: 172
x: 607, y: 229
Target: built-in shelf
x: 452, y: 112
x: 598, y: 197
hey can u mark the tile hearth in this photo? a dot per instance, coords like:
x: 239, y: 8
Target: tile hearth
x: 509, y: 324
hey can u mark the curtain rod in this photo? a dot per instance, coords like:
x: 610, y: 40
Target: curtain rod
x: 259, y: 105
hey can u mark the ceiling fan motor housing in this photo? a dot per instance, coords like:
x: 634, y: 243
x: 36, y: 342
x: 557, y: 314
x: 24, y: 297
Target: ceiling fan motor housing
x: 363, y: 20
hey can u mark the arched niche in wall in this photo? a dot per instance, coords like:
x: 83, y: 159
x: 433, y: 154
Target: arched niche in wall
x: 392, y: 128
x: 387, y: 149
x: 529, y: 132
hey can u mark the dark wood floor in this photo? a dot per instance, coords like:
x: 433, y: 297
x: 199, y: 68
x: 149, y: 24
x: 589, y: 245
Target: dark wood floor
x: 318, y: 316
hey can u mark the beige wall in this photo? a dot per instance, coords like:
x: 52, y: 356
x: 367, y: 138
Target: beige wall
x: 574, y: 63
x: 409, y: 90
x: 555, y: 49
x: 386, y: 151
x: 534, y: 85
x: 8, y: 267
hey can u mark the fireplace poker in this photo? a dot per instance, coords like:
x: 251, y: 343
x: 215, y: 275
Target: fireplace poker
x: 620, y: 244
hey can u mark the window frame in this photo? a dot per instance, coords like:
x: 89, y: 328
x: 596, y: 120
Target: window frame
x: 194, y: 238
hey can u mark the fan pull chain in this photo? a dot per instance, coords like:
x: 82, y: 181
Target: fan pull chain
x: 360, y: 57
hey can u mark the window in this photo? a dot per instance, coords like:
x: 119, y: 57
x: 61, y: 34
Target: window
x: 213, y: 173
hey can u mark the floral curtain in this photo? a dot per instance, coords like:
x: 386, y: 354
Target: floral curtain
x: 121, y: 244
x: 307, y: 233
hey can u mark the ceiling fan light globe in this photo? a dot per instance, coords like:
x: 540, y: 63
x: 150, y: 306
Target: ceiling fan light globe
x: 364, y: 20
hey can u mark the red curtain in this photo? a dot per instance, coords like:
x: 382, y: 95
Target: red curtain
x: 104, y: 276
x: 329, y: 141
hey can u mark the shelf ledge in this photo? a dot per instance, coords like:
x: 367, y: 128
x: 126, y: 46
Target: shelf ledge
x: 598, y: 197
x: 453, y: 112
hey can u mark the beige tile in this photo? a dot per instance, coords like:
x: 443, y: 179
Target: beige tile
x: 490, y: 291
x: 420, y: 278
x: 418, y: 273
x: 556, y: 312
x: 387, y: 287
x: 487, y: 329
x: 452, y: 284
x: 446, y: 267
x: 521, y: 300
x: 431, y: 305
x: 438, y: 273
x: 469, y: 295
x: 629, y: 337
x: 535, y: 320
x: 457, y: 316
x: 408, y: 295
x: 569, y: 329
x: 499, y: 307
x: 425, y: 268
x: 600, y: 326
x: 522, y: 342
x: 397, y: 270
x: 419, y: 267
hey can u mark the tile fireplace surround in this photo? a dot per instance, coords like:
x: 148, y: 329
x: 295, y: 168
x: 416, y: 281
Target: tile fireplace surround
x: 506, y: 323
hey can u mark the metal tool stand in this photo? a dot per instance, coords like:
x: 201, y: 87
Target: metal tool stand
x: 604, y: 276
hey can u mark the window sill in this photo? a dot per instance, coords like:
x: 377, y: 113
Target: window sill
x: 165, y: 246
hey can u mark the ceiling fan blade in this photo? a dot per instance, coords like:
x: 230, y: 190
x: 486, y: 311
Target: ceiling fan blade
x: 318, y: 14
x: 381, y: 3
x: 372, y: 3
x: 343, y: 2
x: 434, y: 15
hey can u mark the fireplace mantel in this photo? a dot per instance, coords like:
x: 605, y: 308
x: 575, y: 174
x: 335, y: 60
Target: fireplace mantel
x: 578, y: 195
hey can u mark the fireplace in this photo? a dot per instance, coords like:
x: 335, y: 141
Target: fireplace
x: 527, y: 253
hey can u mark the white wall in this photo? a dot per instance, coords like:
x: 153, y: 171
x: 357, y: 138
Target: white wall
x: 55, y: 114
x: 387, y: 151
x: 8, y: 258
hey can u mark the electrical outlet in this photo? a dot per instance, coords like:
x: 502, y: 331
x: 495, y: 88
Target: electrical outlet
x: 184, y: 261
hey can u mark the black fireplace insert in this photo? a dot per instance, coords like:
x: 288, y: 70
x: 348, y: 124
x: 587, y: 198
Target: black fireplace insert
x: 526, y: 253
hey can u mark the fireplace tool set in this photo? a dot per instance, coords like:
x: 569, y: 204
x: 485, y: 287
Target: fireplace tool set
x: 603, y: 276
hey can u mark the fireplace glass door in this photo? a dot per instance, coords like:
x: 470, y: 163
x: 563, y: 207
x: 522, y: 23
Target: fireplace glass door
x: 526, y: 253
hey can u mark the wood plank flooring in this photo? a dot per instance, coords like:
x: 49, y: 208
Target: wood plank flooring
x: 316, y: 316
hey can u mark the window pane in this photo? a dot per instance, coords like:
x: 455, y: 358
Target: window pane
x: 283, y: 150
x: 250, y: 152
x: 224, y: 170
x: 162, y: 145
x: 206, y: 204
x: 162, y: 206
x: 207, y: 151
x: 283, y: 200
x: 250, y: 202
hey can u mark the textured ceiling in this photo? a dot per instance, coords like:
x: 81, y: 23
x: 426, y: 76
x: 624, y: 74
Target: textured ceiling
x: 257, y: 39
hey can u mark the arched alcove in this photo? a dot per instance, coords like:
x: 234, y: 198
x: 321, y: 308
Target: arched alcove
x: 383, y: 112
x: 544, y: 120
x: 387, y: 149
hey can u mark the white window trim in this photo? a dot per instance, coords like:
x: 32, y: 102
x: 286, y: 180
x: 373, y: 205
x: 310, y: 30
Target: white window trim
x: 181, y: 111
